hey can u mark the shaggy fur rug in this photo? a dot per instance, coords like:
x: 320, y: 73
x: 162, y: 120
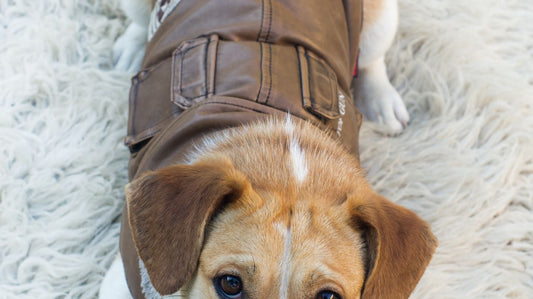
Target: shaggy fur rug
x: 465, y: 163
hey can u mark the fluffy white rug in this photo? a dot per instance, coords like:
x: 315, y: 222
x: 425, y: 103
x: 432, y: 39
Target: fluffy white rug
x: 465, y: 69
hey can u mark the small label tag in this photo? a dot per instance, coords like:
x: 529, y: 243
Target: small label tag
x: 342, y: 111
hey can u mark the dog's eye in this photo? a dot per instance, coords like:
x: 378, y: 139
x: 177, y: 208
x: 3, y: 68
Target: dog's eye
x: 327, y: 295
x: 229, y: 286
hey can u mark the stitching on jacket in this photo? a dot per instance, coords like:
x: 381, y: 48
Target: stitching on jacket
x: 269, y: 22
x: 181, y: 73
x: 310, y: 74
x: 215, y: 69
x: 133, y: 105
x: 206, y: 51
x: 261, y: 71
x: 236, y: 105
x: 301, y: 73
x: 262, y: 18
x: 269, y: 73
x: 262, y: 37
x: 266, y: 75
x: 316, y: 121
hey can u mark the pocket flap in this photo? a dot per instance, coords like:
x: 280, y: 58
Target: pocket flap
x: 193, y: 69
x: 319, y: 86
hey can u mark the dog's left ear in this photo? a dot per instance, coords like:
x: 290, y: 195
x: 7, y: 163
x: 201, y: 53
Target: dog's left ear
x: 399, y: 245
x: 168, y: 211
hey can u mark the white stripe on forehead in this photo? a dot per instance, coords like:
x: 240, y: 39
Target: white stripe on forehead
x: 298, y: 162
x: 285, y: 261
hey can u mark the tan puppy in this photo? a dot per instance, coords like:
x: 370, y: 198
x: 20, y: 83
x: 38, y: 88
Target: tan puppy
x: 326, y: 233
x: 279, y: 209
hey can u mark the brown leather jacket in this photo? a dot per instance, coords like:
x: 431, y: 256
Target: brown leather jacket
x: 214, y: 64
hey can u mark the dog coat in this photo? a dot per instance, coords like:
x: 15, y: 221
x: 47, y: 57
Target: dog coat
x: 215, y: 64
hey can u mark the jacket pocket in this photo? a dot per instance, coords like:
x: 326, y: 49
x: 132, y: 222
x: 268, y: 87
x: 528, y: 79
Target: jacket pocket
x: 150, y: 107
x: 319, y: 86
x: 193, y: 71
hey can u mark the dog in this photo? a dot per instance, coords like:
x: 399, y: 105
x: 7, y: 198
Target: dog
x: 265, y: 198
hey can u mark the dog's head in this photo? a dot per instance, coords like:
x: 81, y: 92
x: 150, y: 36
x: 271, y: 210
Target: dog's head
x: 205, y: 229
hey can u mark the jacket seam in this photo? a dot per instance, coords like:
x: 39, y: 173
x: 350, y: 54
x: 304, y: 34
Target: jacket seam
x: 206, y: 50
x: 261, y: 72
x: 269, y: 21
x: 262, y: 19
x: 269, y: 73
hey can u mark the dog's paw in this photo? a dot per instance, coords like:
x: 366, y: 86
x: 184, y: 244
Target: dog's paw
x: 379, y: 102
x: 385, y: 108
x: 128, y: 51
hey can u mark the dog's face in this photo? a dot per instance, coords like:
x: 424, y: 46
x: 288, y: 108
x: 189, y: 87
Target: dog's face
x: 205, y: 230
x: 274, y: 250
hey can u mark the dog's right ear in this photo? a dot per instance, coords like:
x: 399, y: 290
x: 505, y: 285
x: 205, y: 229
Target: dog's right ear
x: 399, y: 245
x: 168, y: 211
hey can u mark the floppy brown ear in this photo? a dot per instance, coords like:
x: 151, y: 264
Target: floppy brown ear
x: 168, y: 212
x: 399, y: 244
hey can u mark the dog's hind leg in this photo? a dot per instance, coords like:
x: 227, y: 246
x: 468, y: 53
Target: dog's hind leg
x: 374, y: 95
x: 128, y: 50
